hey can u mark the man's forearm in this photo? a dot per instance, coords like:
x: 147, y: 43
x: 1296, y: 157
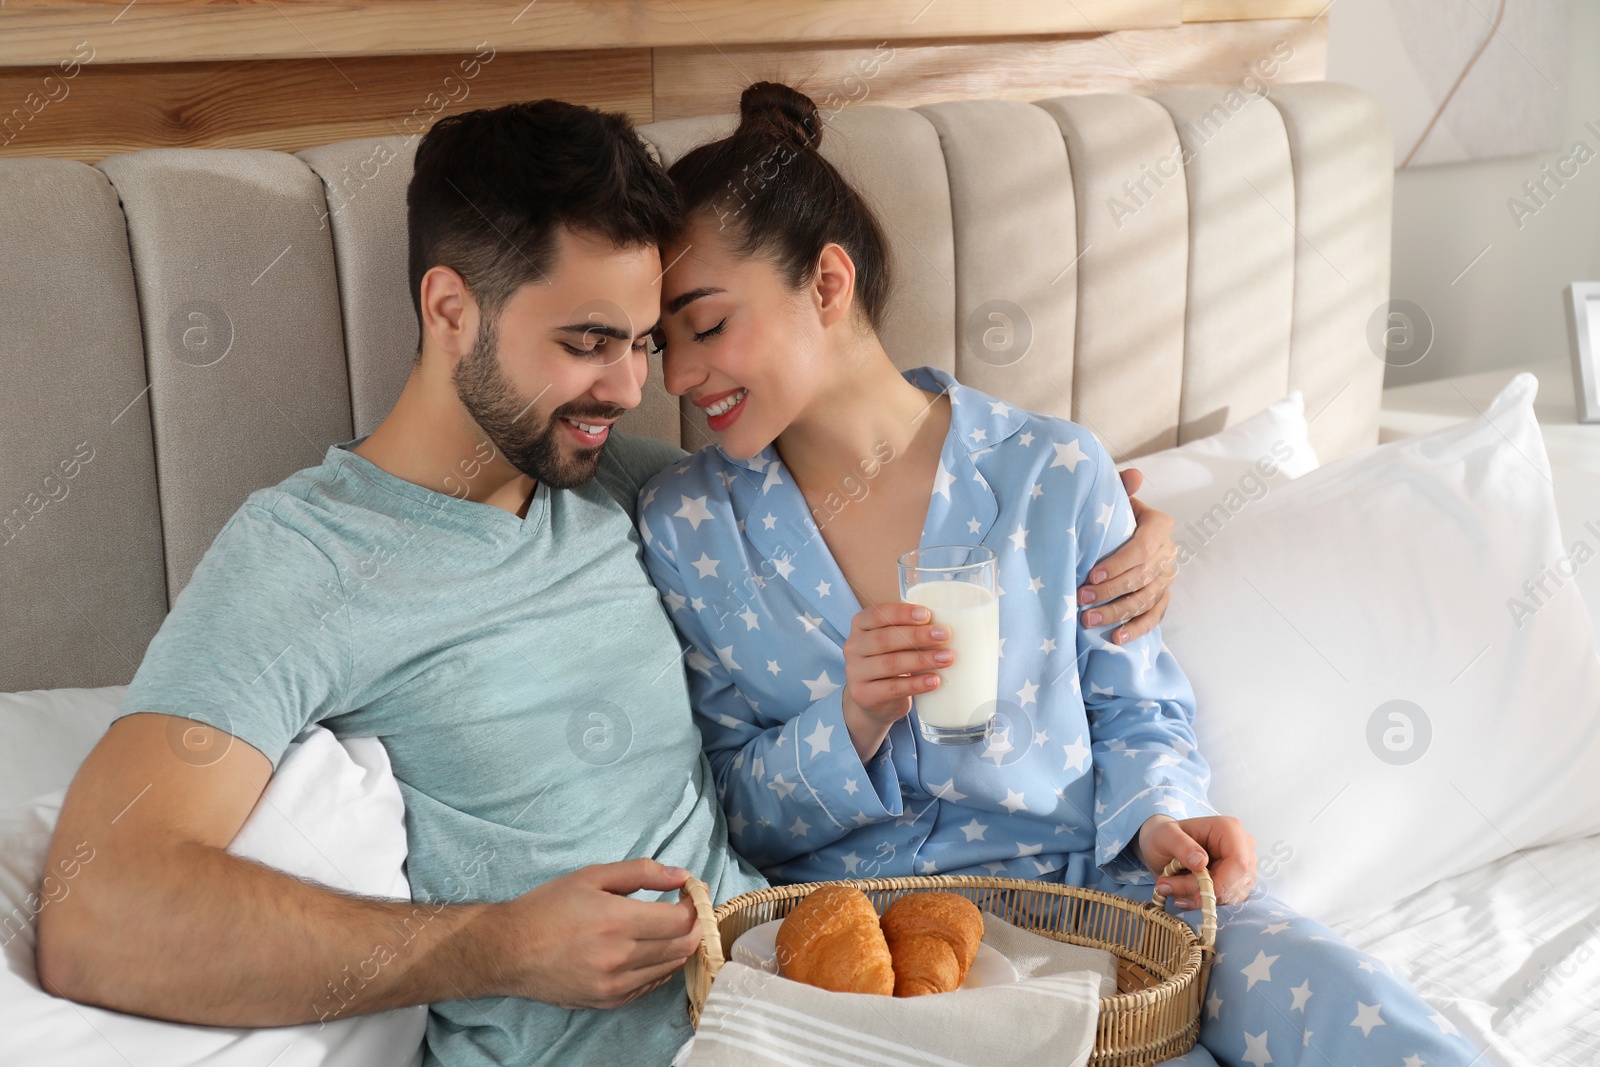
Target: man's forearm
x: 196, y: 935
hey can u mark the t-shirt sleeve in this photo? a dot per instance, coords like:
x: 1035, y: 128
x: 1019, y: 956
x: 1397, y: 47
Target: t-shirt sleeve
x: 630, y: 461
x: 258, y: 643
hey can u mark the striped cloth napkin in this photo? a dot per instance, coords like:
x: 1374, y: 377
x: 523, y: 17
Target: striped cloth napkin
x: 753, y: 1018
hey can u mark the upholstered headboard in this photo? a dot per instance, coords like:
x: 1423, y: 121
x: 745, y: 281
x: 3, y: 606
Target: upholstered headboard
x: 181, y: 327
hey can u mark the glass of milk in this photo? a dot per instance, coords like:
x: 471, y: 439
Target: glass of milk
x: 957, y: 584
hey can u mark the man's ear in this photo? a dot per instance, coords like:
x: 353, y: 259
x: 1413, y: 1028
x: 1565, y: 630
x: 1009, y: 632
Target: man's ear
x: 835, y: 285
x: 449, y: 314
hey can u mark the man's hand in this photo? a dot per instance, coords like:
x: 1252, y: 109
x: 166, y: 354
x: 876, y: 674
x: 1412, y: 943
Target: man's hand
x: 1215, y: 842
x: 1136, y: 578
x: 893, y: 652
x: 585, y: 944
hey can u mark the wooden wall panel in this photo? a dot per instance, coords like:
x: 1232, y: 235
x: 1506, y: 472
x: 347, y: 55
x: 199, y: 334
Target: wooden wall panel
x: 290, y: 104
x: 34, y: 33
x: 706, y: 81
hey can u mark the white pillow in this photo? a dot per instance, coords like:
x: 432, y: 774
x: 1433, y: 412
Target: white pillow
x: 1205, y: 481
x: 332, y: 812
x: 1396, y: 575
x: 46, y: 733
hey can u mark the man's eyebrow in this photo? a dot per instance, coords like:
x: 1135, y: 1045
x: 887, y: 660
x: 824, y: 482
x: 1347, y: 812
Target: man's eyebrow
x: 602, y: 329
x: 683, y: 300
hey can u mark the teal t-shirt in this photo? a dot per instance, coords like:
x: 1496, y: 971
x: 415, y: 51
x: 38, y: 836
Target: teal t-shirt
x: 521, y: 673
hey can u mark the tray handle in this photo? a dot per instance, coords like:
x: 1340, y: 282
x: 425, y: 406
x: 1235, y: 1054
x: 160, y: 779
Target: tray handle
x: 1208, y: 904
x: 710, y: 936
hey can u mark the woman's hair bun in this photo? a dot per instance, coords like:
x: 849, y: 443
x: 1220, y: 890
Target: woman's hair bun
x: 787, y: 112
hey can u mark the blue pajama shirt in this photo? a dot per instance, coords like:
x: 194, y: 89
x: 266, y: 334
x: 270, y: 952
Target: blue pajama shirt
x: 1090, y: 740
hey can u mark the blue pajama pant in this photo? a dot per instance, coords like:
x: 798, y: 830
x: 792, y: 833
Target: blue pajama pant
x: 1286, y: 990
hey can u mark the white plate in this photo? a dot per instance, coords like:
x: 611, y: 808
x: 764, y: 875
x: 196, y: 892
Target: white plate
x: 758, y: 947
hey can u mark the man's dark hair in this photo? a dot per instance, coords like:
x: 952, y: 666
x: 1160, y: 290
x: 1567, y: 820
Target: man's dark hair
x: 490, y: 188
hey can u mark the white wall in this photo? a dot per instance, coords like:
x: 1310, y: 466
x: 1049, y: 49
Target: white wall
x: 1507, y: 309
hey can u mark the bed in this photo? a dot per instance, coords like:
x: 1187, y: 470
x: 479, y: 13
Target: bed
x: 185, y: 326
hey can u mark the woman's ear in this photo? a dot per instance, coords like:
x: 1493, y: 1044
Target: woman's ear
x: 835, y: 289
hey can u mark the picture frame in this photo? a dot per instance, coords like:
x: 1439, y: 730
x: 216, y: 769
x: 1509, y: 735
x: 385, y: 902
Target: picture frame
x: 1583, y: 327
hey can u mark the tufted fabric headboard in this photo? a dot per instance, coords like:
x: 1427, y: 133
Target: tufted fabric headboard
x: 180, y: 327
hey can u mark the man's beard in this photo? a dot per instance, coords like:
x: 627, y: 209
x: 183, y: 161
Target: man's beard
x: 514, y: 425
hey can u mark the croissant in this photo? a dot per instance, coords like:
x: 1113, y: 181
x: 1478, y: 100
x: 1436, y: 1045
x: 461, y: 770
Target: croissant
x: 832, y: 940
x: 933, y: 938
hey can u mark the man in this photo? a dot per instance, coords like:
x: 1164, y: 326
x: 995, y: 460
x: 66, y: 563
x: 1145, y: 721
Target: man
x: 465, y: 583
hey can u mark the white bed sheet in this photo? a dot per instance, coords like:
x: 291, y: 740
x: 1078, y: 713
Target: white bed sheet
x: 1509, y: 953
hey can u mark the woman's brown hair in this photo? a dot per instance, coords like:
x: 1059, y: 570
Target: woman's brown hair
x: 768, y: 183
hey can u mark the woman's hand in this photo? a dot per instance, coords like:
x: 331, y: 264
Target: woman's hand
x: 1217, y: 842
x: 892, y: 653
x: 1137, y: 577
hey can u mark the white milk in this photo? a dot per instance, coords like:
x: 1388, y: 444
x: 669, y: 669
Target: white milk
x: 966, y: 696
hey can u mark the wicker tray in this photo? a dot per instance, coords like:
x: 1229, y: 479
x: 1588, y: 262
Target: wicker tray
x: 1162, y: 966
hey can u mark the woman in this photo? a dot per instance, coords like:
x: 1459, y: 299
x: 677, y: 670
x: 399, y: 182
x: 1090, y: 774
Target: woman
x: 803, y: 662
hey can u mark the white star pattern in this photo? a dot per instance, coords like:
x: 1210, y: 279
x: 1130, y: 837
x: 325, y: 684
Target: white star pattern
x: 1019, y: 539
x: 1104, y: 517
x: 1367, y: 1018
x: 974, y: 830
x: 821, y: 686
x: 850, y: 786
x: 675, y: 600
x: 1035, y: 585
x: 751, y: 621
x: 1302, y: 993
x: 818, y: 739
x: 1077, y: 755
x: 1026, y: 440
x: 973, y: 525
x: 773, y: 668
x: 769, y: 522
x: 1259, y: 970
x: 726, y: 656
x: 1256, y: 1049
x: 1049, y: 645
x: 1069, y: 456
x: 782, y: 788
x: 980, y: 435
x: 809, y: 621
x: 1026, y: 694
x: 942, y: 481
x: 948, y: 792
x: 693, y: 511
x: 824, y: 589
x: 1014, y: 802
x: 1000, y: 407
x: 699, y: 661
x: 851, y: 861
x: 1414, y: 1061
x: 783, y: 567
x: 706, y: 566
x: 800, y: 828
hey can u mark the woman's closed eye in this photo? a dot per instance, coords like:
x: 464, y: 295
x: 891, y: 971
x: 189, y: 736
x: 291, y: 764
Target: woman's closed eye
x: 711, y: 332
